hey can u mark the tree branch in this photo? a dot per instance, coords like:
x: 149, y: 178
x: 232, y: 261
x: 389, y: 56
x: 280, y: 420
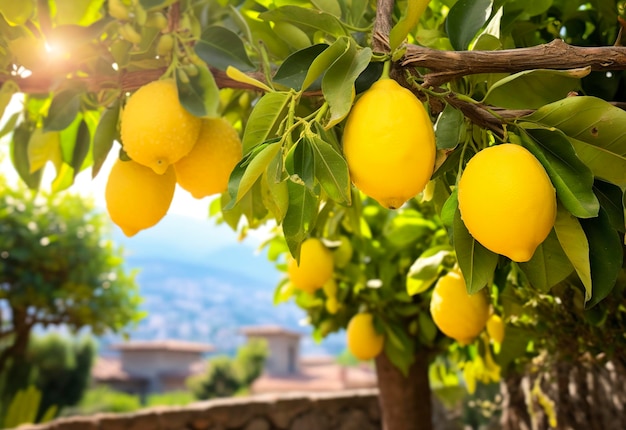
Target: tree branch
x: 382, y: 26
x: 557, y: 55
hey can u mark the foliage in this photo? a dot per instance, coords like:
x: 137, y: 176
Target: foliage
x: 104, y: 399
x: 226, y: 376
x: 23, y: 409
x: 57, y: 267
x: 61, y: 368
x: 287, y: 73
x: 170, y: 398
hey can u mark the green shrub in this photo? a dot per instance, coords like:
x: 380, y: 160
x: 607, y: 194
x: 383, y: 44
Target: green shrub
x: 105, y: 399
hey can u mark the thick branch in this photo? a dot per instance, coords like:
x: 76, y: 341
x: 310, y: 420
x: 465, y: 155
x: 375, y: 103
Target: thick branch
x: 382, y: 25
x: 558, y: 55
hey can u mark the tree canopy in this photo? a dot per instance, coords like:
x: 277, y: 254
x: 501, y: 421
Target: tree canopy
x: 546, y: 75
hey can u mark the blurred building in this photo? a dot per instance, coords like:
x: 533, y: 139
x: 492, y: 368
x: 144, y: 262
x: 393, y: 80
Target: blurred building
x: 156, y: 366
x: 286, y: 370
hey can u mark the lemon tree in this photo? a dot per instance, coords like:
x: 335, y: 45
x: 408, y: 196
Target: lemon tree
x: 346, y: 108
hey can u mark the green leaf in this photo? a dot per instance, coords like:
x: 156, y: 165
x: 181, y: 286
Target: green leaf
x: 534, y: 88
x: 306, y: 17
x: 304, y: 163
x: 220, y: 47
x: 409, y: 19
x: 81, y: 147
x: 292, y: 72
x: 449, y: 209
x: 19, y: 157
x: 6, y: 94
x: 611, y: 199
x: 275, y: 194
x: 571, y: 177
x: 9, y: 125
x: 106, y: 133
x: 249, y: 169
x: 477, y: 263
x: 449, y: 128
x: 403, y: 228
x: 43, y: 147
x: 606, y: 255
x: 548, y: 266
x: 427, y: 330
x: 155, y: 4
x: 63, y: 109
x: 572, y: 238
x: 603, y: 163
x: 300, y: 216
x: 324, y: 60
x: 17, y: 13
x: 264, y: 119
x: 330, y: 6
x: 588, y: 119
x: 331, y: 171
x: 199, y: 94
x: 399, y: 348
x: 464, y: 20
x: 425, y: 271
x: 338, y: 81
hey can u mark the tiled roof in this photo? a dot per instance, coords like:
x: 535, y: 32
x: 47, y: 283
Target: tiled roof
x: 163, y: 345
x: 315, y: 375
x: 269, y: 330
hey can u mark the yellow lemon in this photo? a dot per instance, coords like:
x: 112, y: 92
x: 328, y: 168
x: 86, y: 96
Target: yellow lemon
x: 206, y: 169
x: 456, y: 313
x: 389, y: 144
x: 315, y: 269
x: 332, y: 305
x: 136, y: 197
x: 156, y: 130
x: 495, y: 328
x: 364, y: 342
x: 507, y: 201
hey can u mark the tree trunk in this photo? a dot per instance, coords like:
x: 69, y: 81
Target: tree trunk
x: 405, y: 401
x: 515, y: 414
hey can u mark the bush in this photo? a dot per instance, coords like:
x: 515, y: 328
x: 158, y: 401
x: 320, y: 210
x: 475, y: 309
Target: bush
x: 105, y: 399
x: 173, y: 398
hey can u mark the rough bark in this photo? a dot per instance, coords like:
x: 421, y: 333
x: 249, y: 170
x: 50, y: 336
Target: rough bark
x: 405, y: 402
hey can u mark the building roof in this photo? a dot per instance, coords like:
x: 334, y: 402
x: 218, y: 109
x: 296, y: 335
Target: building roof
x: 269, y: 330
x: 163, y: 345
x: 316, y: 376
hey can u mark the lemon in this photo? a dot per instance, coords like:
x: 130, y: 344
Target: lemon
x: 495, y: 328
x: 507, y: 201
x: 315, y: 269
x: 332, y: 305
x: 364, y: 342
x: 156, y: 130
x: 206, y: 169
x: 136, y: 197
x: 389, y: 144
x: 456, y: 313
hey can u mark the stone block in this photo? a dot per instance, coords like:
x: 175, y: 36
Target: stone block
x: 258, y: 424
x: 313, y: 420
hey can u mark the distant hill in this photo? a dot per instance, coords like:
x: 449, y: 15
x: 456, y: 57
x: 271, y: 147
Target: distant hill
x: 198, y: 283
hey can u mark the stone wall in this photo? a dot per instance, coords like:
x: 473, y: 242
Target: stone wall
x: 347, y: 410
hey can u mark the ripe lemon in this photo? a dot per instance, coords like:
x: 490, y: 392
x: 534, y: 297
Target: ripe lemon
x: 457, y: 314
x: 389, y: 144
x: 136, y: 197
x: 206, y: 169
x: 495, y: 328
x: 507, y: 201
x: 364, y: 342
x: 156, y: 130
x: 315, y: 269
